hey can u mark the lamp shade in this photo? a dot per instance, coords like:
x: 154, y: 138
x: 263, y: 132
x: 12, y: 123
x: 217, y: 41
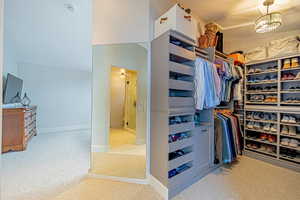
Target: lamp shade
x: 268, y: 22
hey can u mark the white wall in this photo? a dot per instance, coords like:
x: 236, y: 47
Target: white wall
x: 63, y: 96
x: 129, y: 56
x: 120, y: 21
x: 117, y: 100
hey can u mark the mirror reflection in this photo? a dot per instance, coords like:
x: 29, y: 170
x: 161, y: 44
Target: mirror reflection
x: 120, y: 87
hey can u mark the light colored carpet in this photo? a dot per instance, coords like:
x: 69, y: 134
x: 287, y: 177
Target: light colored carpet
x: 248, y: 179
x: 119, y: 165
x: 96, y: 189
x: 51, y: 164
x: 124, y: 158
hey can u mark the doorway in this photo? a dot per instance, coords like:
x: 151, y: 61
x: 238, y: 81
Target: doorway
x: 120, y: 111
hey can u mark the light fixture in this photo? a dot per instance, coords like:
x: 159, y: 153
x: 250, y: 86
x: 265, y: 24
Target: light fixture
x: 70, y: 7
x: 268, y: 22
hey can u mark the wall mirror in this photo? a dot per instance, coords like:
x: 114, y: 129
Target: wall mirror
x: 119, y: 112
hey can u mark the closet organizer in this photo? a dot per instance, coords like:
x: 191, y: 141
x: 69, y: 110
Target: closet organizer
x: 272, y: 111
x: 184, y: 146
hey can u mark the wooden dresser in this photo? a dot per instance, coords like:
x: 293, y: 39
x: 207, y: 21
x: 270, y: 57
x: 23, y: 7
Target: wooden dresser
x: 18, y: 126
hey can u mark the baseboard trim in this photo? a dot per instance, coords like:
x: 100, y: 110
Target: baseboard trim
x: 64, y: 129
x: 119, y: 179
x: 159, y: 187
x: 100, y: 148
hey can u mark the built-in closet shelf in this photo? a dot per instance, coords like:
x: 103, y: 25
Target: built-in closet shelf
x: 183, y: 127
x: 175, y: 163
x: 289, y: 92
x: 263, y: 121
x: 261, y: 93
x: 180, y: 144
x: 181, y: 85
x: 181, y: 102
x: 261, y: 141
x: 290, y: 69
x: 181, y: 68
x: 183, y: 177
x: 263, y: 103
x: 181, y: 111
x: 261, y: 131
x: 290, y: 124
x: 172, y: 88
x: 259, y: 73
x: 291, y: 136
x: 289, y: 81
x: 289, y: 147
x: 261, y: 151
x: 261, y: 83
x: 280, y: 108
x: 182, y: 52
x: 297, y: 160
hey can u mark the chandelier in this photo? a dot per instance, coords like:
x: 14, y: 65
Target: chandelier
x: 268, y: 22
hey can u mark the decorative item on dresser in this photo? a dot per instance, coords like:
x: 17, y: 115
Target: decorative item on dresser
x: 18, y: 127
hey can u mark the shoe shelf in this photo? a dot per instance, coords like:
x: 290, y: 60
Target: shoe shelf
x: 261, y: 83
x: 290, y: 69
x: 290, y: 124
x: 261, y: 151
x: 261, y: 131
x: 290, y: 91
x: 289, y: 147
x: 260, y: 141
x: 288, y: 81
x: 291, y: 136
x: 287, y: 105
x: 264, y: 72
x: 262, y: 92
x: 261, y: 120
x: 266, y: 103
x: 297, y: 159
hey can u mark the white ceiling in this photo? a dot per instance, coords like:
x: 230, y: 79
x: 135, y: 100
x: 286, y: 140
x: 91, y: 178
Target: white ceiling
x: 46, y: 33
x: 234, y: 13
x: 236, y: 17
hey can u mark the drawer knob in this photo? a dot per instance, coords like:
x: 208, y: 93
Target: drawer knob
x: 162, y: 20
x: 188, y: 17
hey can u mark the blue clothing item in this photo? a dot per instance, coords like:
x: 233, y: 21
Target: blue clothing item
x: 206, y: 95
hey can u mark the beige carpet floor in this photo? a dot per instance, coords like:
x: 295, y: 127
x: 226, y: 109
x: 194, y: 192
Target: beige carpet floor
x: 124, y: 158
x: 248, y: 179
x: 119, y: 165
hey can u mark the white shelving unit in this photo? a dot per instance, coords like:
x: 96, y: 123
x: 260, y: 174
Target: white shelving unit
x: 286, y: 156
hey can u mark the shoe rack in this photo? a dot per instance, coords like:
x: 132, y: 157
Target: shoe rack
x: 275, y: 86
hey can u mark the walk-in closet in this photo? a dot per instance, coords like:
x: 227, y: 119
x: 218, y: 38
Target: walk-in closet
x: 215, y: 104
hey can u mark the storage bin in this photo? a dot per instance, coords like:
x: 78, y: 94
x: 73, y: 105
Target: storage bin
x: 173, y: 164
x: 183, y: 127
x: 181, y: 85
x: 180, y: 144
x: 177, y: 102
x: 181, y: 68
x: 178, y: 20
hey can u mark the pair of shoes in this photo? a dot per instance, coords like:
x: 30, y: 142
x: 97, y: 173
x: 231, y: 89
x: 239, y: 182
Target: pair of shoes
x: 268, y: 148
x: 286, y: 64
x: 290, y: 153
x: 289, y: 142
x: 251, y: 71
x: 292, y: 100
x: 250, y: 125
x: 295, y: 63
x: 272, y: 138
x: 289, y: 119
x: 270, y: 88
x: 257, y: 125
x: 289, y: 130
x: 294, y: 88
x: 288, y: 76
x: 257, y: 98
x: 270, y: 127
x: 271, y: 98
x: 252, y: 146
x: 298, y: 76
x: 263, y: 136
